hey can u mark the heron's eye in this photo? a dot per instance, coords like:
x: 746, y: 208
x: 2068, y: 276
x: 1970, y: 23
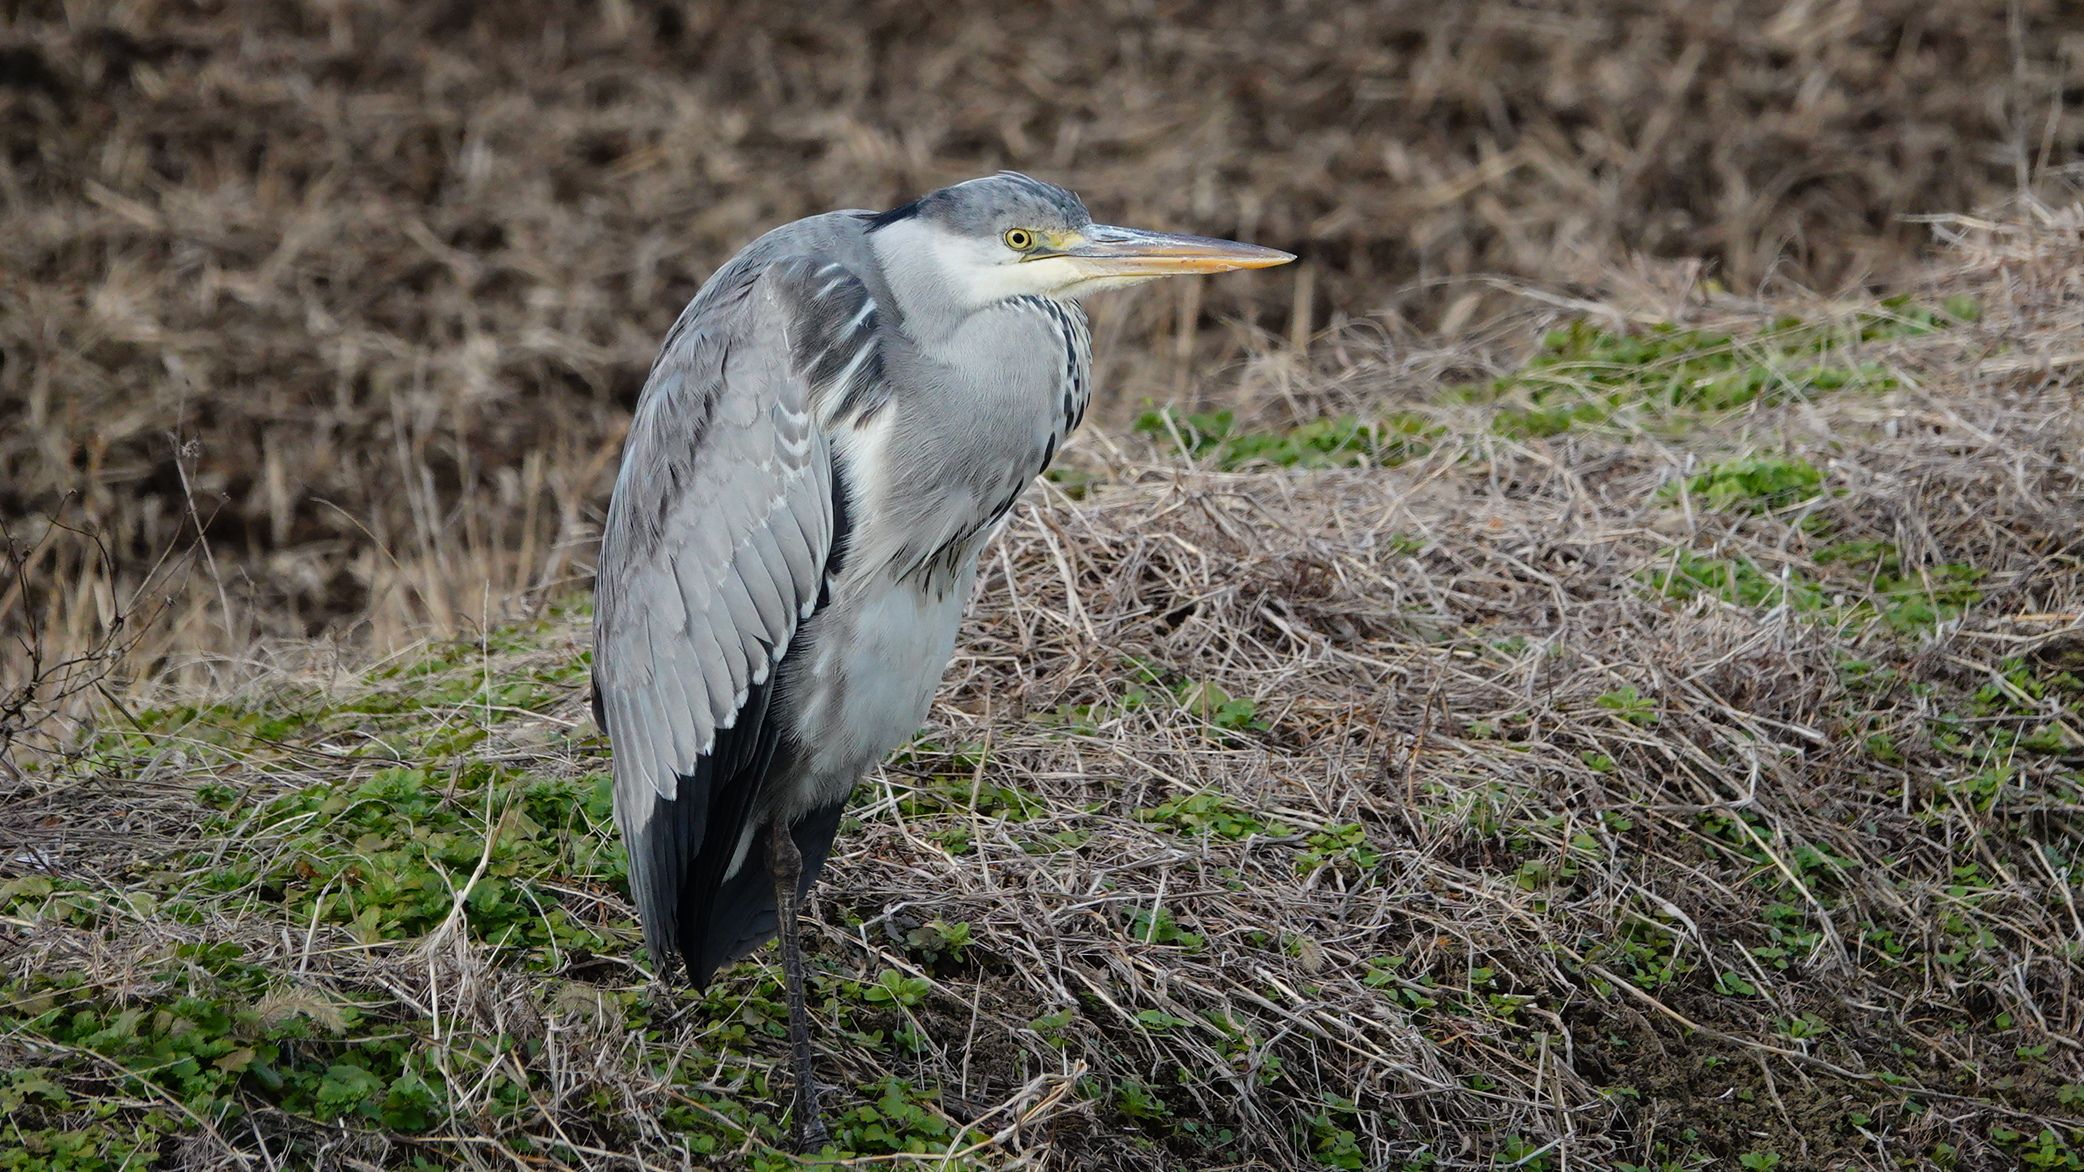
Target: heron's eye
x: 1019, y: 239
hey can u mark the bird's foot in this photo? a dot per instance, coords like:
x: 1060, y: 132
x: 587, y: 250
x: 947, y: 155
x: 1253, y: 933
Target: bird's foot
x: 812, y: 1138
x: 806, y: 1119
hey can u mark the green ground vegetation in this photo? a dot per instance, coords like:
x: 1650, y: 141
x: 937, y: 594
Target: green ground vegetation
x: 1817, y: 909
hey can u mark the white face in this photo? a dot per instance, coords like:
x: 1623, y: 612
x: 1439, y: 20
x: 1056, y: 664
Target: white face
x: 977, y: 271
x: 964, y: 272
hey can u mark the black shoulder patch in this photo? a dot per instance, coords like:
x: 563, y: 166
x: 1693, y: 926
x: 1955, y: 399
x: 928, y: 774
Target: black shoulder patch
x: 903, y: 211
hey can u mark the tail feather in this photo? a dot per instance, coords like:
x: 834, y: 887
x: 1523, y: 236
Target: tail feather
x: 657, y: 884
x: 741, y: 915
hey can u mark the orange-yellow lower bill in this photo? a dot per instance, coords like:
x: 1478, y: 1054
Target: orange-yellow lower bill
x: 1131, y: 252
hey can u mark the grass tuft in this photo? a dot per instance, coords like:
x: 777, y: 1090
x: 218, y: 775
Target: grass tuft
x: 1696, y: 784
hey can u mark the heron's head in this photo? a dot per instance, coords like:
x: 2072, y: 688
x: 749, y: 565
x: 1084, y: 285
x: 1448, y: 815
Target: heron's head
x: 1008, y: 236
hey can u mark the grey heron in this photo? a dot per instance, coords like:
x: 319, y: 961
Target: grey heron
x: 834, y: 427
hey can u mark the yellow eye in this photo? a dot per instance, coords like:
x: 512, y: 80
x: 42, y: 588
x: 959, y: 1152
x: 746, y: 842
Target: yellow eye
x: 1019, y: 239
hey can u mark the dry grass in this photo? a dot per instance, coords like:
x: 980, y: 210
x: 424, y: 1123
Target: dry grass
x: 1663, y: 753
x: 367, y: 290
x: 1622, y: 795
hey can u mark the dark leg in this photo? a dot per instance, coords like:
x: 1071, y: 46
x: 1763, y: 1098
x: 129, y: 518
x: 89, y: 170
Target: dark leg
x: 786, y: 864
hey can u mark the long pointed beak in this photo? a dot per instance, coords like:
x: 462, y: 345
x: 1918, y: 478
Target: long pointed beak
x: 1107, y: 251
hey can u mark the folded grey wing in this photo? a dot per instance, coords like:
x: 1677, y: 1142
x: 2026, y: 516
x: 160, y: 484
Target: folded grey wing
x: 714, y: 553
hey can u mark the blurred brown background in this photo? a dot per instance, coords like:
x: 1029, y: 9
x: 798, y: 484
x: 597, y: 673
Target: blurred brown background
x: 366, y: 290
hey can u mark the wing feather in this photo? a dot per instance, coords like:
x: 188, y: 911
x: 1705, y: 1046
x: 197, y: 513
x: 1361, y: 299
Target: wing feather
x: 757, y: 575
x: 716, y: 675
x: 718, y: 545
x: 813, y: 531
x: 678, y: 706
